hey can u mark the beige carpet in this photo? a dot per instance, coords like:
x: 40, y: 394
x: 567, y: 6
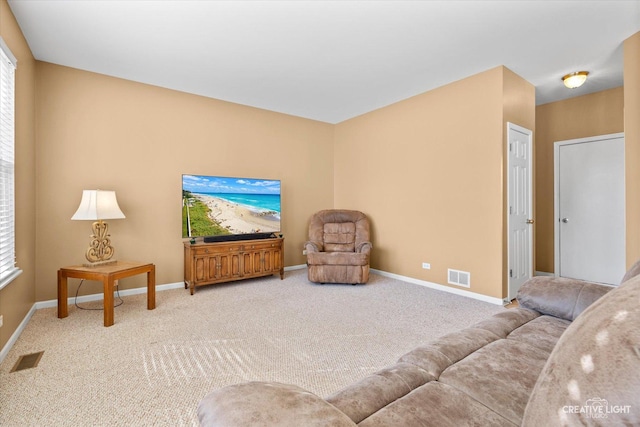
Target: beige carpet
x: 153, y: 367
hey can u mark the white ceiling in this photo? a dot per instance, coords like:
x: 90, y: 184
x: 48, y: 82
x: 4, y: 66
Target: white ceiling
x: 331, y: 60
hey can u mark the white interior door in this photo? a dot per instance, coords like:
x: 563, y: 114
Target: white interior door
x: 520, y: 215
x: 590, y: 209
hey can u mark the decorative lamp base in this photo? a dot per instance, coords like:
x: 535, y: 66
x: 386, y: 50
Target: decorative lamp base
x: 100, y: 250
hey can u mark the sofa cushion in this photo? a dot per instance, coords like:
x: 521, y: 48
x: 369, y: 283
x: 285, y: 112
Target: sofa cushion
x: 591, y: 377
x: 435, y: 405
x: 542, y: 332
x: 559, y: 296
x: 268, y: 404
x: 500, y: 375
x: 374, y: 392
x: 438, y: 355
x: 505, y: 322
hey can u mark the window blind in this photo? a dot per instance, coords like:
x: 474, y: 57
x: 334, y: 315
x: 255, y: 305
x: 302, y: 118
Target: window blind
x: 8, y: 269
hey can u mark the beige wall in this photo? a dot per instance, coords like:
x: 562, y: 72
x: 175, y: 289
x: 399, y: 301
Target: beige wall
x: 599, y: 113
x: 17, y: 298
x: 632, y: 144
x: 101, y: 132
x: 429, y: 172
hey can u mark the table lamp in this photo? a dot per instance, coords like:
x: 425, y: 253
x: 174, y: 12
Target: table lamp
x: 98, y: 205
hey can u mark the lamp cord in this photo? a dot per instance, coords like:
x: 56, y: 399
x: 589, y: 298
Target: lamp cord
x: 75, y: 301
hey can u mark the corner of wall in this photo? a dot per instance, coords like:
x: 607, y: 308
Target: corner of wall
x: 631, y: 49
x: 519, y: 107
x: 17, y: 298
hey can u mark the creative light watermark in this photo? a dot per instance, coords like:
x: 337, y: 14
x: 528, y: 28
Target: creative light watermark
x: 597, y: 408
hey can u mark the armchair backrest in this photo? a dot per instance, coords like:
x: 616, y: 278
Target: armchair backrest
x: 338, y: 230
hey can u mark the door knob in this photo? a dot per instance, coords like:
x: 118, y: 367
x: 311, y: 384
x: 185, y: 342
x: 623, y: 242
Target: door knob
x: 565, y: 220
x: 529, y: 221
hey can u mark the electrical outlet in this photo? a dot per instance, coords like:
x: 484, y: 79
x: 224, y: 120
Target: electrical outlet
x: 1, y: 320
x: 304, y: 252
x: 426, y: 266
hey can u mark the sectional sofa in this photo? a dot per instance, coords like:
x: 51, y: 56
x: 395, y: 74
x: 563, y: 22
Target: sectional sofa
x: 568, y: 355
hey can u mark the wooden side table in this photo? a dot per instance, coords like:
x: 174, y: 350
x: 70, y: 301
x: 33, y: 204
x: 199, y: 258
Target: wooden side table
x: 107, y: 274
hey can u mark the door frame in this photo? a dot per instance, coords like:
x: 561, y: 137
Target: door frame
x: 529, y: 134
x: 556, y: 190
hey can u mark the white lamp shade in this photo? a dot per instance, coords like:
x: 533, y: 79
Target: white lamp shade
x: 98, y: 204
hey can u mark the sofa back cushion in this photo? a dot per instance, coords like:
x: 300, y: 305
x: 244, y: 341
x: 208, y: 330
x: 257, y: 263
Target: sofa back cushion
x: 591, y: 377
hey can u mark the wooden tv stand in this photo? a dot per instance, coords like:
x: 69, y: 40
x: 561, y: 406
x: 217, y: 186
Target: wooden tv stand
x: 220, y: 262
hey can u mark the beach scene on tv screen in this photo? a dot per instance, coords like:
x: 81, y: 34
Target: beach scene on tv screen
x: 214, y: 206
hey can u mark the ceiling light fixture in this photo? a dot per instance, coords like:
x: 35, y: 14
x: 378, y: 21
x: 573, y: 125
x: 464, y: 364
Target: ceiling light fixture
x: 574, y: 80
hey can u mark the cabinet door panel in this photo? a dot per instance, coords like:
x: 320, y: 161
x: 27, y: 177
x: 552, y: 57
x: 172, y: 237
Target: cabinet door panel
x: 200, y: 269
x: 267, y: 260
x: 235, y: 265
x: 277, y: 259
x: 224, y: 266
x: 212, y: 265
x: 257, y: 262
x: 247, y: 263
x: 229, y: 266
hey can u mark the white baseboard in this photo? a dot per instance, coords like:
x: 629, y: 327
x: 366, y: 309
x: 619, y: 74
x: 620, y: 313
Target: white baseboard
x: 16, y: 333
x: 462, y: 292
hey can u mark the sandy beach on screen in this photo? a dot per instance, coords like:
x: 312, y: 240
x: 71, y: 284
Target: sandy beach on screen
x: 237, y: 218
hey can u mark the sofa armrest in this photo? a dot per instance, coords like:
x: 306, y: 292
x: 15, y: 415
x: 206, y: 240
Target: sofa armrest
x: 268, y: 404
x: 558, y: 296
x: 633, y: 271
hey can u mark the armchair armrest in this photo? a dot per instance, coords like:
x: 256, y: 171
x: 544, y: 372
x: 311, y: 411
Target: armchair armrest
x: 364, y: 247
x: 559, y: 296
x: 268, y: 404
x: 311, y: 246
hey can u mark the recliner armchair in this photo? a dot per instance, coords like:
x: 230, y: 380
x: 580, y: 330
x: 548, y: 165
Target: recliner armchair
x: 338, y: 248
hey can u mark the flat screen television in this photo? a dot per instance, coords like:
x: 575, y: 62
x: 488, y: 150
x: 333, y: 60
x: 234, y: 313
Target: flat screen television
x: 221, y: 208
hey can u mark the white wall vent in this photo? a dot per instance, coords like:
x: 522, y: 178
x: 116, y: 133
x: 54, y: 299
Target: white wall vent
x: 459, y: 278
